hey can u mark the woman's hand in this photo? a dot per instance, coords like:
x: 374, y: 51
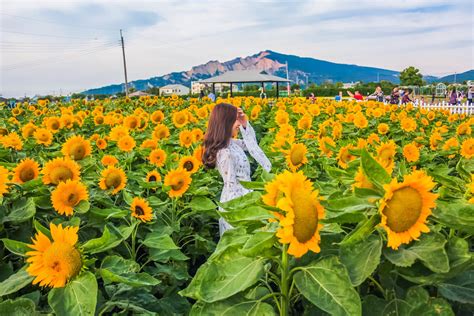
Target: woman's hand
x: 241, y: 118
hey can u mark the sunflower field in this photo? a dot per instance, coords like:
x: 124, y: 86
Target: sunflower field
x: 105, y: 208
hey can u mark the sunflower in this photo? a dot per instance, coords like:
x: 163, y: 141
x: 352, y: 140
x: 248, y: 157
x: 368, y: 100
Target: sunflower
x: 180, y: 118
x: 198, y: 135
x: 59, y: 170
x: 149, y: 143
x: 186, y: 138
x: 12, y: 140
x: 324, y: 144
x: 408, y: 124
x: 299, y: 224
x: 411, y: 152
x: 386, y: 155
x: 190, y: 164
x: 141, y: 209
x: 405, y: 208
x: 178, y: 180
x: 3, y: 180
x: 101, y: 143
x: 157, y: 157
x: 131, y: 122
x: 464, y: 129
x: 360, y: 121
x: 160, y: 131
x: 296, y: 156
x: 305, y: 122
x: 109, y: 160
x: 361, y: 180
x: 435, y: 140
x: 126, y: 143
x: 344, y: 156
x: 99, y: 119
x: 53, y: 124
x: 198, y: 152
x: 157, y: 117
x: 77, y: 148
x: 25, y: 171
x: 67, y: 195
x: 467, y: 148
x: 118, y: 132
x: 113, y: 179
x: 153, y: 176
x: 28, y: 130
x: 43, y: 136
x: 383, y: 128
x: 54, y: 263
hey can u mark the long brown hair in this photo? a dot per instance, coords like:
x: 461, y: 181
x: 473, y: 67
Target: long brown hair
x: 219, y: 132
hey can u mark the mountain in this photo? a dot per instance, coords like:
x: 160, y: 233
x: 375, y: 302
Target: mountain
x: 300, y: 70
x: 468, y: 75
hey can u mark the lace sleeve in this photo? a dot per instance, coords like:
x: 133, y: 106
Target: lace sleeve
x: 250, y: 140
x: 225, y: 165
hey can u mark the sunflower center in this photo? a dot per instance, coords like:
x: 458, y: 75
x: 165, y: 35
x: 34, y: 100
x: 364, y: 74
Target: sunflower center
x: 63, y: 259
x: 177, y: 186
x: 403, y: 209
x: 306, y: 216
x: 139, y: 211
x: 297, y: 156
x: 55, y: 125
x: 72, y: 199
x: 188, y: 165
x: 113, y: 180
x: 77, y: 151
x: 60, y: 174
x: 152, y: 179
x: 43, y: 137
x: 27, y: 174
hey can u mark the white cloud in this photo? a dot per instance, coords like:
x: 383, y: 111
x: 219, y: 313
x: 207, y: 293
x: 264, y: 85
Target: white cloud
x: 82, y: 49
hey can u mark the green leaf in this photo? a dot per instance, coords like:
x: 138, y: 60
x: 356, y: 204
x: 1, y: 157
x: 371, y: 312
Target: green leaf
x: 18, y: 307
x: 459, y: 288
x: 361, y: 258
x: 15, y: 282
x: 78, y: 297
x: 458, y: 251
x: 83, y: 207
x: 429, y: 249
x: 458, y: 215
x: 257, y: 243
x: 246, y: 215
x: 253, y: 185
x: 21, y: 210
x: 376, y: 174
x: 327, y: 285
x: 373, y: 305
x: 109, y: 212
x: 435, y: 306
x: 224, y: 276
x: 244, y: 201
x: 348, y: 204
x: 100, y: 244
x: 41, y: 228
x: 32, y: 184
x: 233, y: 306
x: 397, y: 307
x: 202, y: 203
x: 17, y: 247
x: 158, y: 240
x: 118, y: 269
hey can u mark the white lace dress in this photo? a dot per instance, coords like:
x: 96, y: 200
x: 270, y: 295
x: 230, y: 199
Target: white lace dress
x: 234, y: 166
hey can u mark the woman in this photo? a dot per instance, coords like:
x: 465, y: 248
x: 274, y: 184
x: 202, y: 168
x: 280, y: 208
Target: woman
x: 395, y: 96
x: 227, y: 154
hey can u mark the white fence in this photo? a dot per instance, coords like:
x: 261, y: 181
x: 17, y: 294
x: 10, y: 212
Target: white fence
x: 463, y: 108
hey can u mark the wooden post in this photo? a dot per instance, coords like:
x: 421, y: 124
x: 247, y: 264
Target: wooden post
x: 214, y: 88
x: 278, y: 91
x: 231, y: 89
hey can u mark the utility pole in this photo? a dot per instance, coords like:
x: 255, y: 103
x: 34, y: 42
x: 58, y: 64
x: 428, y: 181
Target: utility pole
x: 455, y: 77
x: 124, y: 64
x: 287, y: 78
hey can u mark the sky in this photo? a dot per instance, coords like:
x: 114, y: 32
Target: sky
x: 62, y: 46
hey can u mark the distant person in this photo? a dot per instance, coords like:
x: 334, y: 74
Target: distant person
x: 212, y: 96
x: 312, y: 98
x: 395, y: 96
x: 356, y: 95
x: 460, y: 97
x: 470, y: 94
x: 433, y: 96
x: 406, y: 97
x: 422, y: 100
x: 453, y: 97
x: 338, y: 97
x: 263, y: 95
x: 201, y: 94
x: 377, y: 95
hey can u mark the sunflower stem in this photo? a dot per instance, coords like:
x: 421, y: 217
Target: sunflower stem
x: 284, y: 282
x: 134, y: 236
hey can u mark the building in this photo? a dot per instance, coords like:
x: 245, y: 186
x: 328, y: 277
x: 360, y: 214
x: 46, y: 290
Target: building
x: 349, y: 85
x: 177, y: 89
x: 197, y: 86
x: 138, y: 94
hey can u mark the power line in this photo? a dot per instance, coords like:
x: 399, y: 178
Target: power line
x: 46, y: 35
x: 55, y: 23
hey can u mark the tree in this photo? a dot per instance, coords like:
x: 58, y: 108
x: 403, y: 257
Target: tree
x: 411, y: 76
x: 295, y: 86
